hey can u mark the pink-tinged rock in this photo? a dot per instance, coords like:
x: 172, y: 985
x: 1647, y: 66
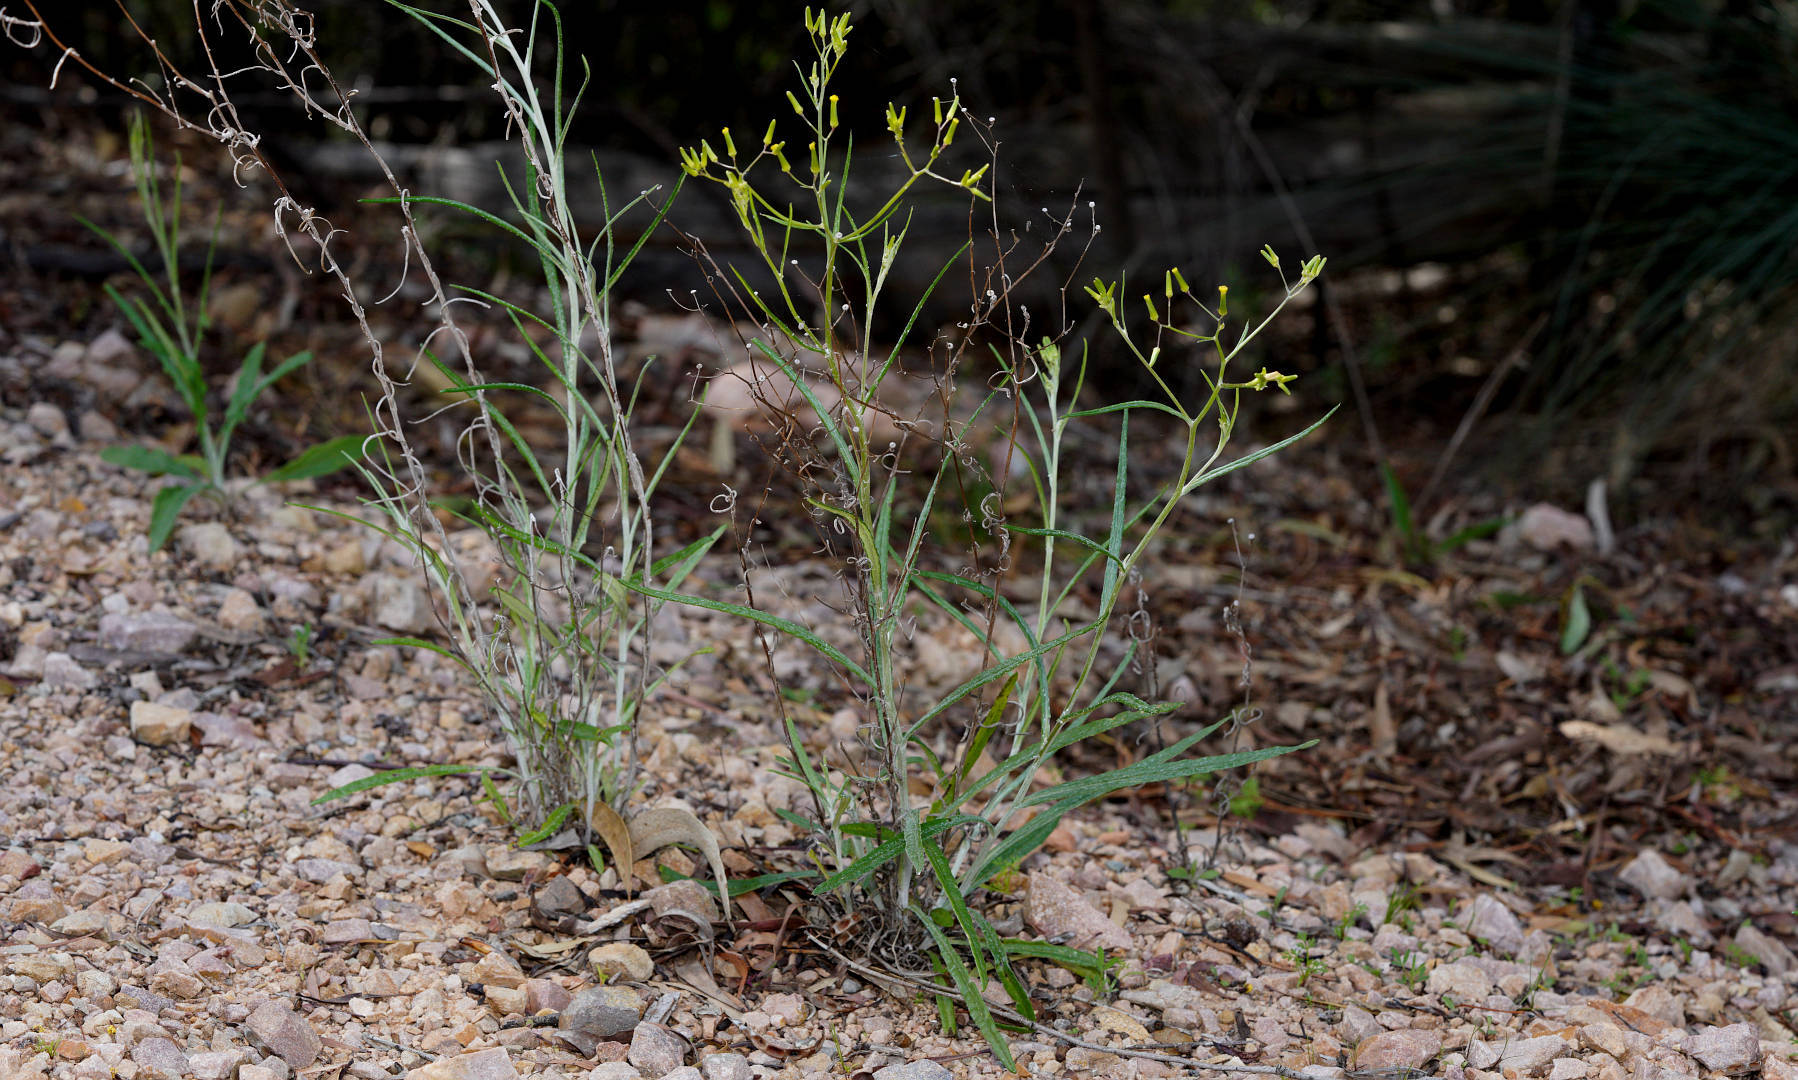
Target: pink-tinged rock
x: 1408, y: 1048
x: 497, y: 969
x: 542, y: 995
x: 656, y: 1050
x: 1732, y: 1049
x: 494, y: 1064
x: 1658, y: 1002
x: 215, y: 1064
x: 159, y: 1058
x: 1056, y: 911
x: 39, y: 905
x: 17, y: 864
x: 284, y: 1033
x: 234, y: 733
x: 148, y: 631
x: 159, y: 725
x: 344, y: 931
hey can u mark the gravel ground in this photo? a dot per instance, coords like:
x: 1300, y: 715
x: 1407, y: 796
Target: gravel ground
x: 172, y: 905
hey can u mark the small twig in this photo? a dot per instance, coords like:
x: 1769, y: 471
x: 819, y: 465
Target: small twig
x: 1073, y: 1040
x: 401, y: 1047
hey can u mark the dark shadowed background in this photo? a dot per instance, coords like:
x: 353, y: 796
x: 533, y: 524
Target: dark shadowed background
x: 1587, y: 209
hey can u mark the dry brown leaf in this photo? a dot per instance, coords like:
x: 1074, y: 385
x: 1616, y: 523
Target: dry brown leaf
x: 1381, y: 730
x: 1619, y: 738
x: 652, y: 830
x: 617, y: 835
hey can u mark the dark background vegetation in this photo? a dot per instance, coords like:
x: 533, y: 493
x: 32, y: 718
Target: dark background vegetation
x: 1588, y: 207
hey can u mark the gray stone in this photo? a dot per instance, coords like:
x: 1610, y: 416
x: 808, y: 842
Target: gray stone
x: 725, y: 1067
x: 319, y: 871
x: 558, y: 898
x: 159, y: 725
x: 239, y: 612
x: 682, y: 897
x: 922, y: 1069
x: 602, y: 1012
x: 1732, y: 1049
x: 284, y: 1033
x: 400, y: 603
x: 685, y: 1072
x: 1463, y: 980
x: 656, y: 1050
x: 1568, y: 1069
x: 1652, y: 876
x: 61, y: 672
x: 217, y: 913
x: 210, y: 543
x: 1765, y: 948
x: 1525, y: 1055
x: 1408, y: 1048
x: 158, y: 1058
x: 493, y: 1064
x: 1357, y: 1024
x: 148, y: 631
x: 218, y: 729
x: 1054, y: 910
x: 614, y: 1070
x: 48, y: 420
x: 1495, y: 923
x: 111, y: 347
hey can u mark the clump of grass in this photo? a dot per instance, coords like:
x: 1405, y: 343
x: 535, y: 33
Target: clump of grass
x: 173, y: 333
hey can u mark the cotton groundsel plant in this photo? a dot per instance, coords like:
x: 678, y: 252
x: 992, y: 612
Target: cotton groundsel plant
x: 944, y: 798
x: 559, y: 647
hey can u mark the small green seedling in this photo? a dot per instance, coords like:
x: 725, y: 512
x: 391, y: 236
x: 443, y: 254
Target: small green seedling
x: 164, y: 328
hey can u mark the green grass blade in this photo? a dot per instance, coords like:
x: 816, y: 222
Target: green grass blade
x: 970, y: 993
x: 323, y: 459
x: 396, y: 776
x: 166, y: 508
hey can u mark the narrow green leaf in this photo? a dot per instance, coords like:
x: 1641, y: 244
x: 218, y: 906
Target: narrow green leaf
x: 970, y: 993
x: 1243, y: 462
x: 153, y: 460
x: 888, y: 850
x: 396, y: 776
x: 958, y: 905
x: 243, y: 393
x: 551, y: 825
x: 166, y: 508
x: 1400, y: 504
x: 1114, y: 540
x: 741, y: 886
x: 323, y: 459
x: 430, y: 646
x: 785, y: 626
x: 1577, y: 623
